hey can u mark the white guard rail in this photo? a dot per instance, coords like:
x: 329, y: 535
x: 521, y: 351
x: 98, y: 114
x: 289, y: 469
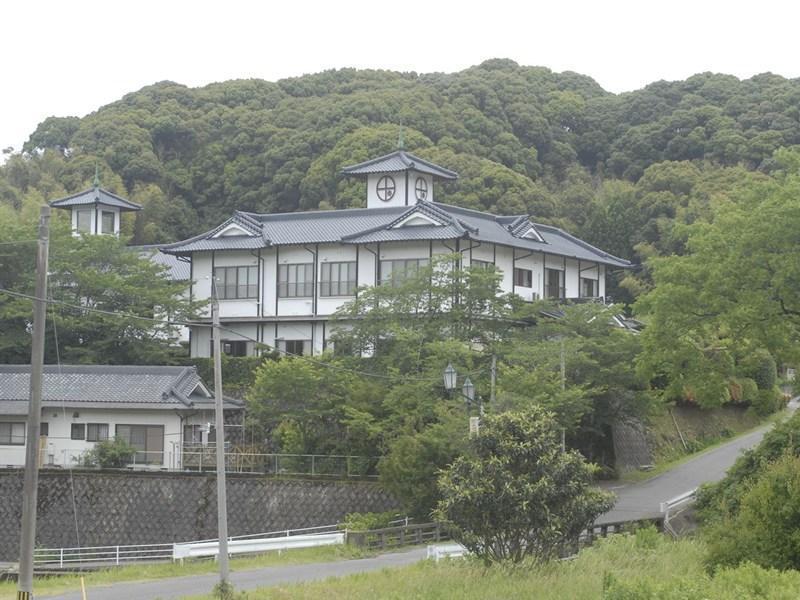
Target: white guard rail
x: 677, y: 501
x: 439, y: 551
x: 254, y: 545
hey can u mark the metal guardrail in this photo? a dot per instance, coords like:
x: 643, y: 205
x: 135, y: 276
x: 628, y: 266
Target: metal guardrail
x: 673, y: 507
x: 256, y: 545
x: 437, y: 552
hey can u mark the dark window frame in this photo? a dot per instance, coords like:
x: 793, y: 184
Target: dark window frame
x: 10, y: 439
x: 385, y: 187
x: 93, y: 432
x: 290, y: 347
x: 395, y: 277
x: 297, y: 288
x: 523, y: 277
x: 238, y: 282
x: 332, y: 287
x: 421, y: 188
x: 482, y: 264
x: 103, y: 215
x: 595, y: 287
x: 88, y: 213
x: 145, y: 453
x: 77, y: 427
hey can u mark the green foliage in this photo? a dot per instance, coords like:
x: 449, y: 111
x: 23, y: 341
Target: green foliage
x: 516, y: 494
x: 722, y: 500
x: 367, y: 521
x: 240, y: 371
x: 108, y: 454
x: 224, y: 590
x: 765, y: 529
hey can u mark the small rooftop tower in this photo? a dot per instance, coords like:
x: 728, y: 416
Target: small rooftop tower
x: 399, y: 178
x: 95, y: 211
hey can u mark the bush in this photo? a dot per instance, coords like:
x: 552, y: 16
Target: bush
x: 367, y: 521
x: 761, y: 368
x: 766, y: 528
x: 109, y: 454
x: 516, y: 494
x: 721, y: 499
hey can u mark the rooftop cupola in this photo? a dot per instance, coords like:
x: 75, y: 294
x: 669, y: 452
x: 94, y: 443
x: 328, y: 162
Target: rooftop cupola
x: 95, y: 211
x: 399, y: 178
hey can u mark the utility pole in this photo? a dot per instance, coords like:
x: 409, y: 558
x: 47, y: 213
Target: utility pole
x: 494, y: 379
x: 222, y: 500
x: 563, y: 389
x: 31, y: 482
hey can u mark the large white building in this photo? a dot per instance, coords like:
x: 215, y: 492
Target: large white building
x: 280, y: 277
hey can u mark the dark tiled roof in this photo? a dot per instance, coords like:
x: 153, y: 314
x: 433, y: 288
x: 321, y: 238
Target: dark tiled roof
x: 95, y: 195
x: 103, y: 386
x: 178, y: 270
x: 399, y: 160
x: 362, y: 225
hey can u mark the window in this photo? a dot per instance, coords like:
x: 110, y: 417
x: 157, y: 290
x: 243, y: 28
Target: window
x: 44, y: 429
x: 296, y: 281
x: 482, y: 264
x: 192, y: 434
x: 83, y: 221
x: 554, y: 283
x: 107, y: 222
x: 385, y: 188
x: 337, y: 279
x: 296, y: 347
x: 396, y: 272
x: 234, y: 348
x: 12, y: 434
x: 236, y: 283
x: 588, y: 288
x: 147, y: 439
x: 77, y: 431
x: 523, y: 277
x: 96, y: 432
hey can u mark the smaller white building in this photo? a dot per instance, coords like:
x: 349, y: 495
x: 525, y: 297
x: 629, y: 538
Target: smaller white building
x: 160, y: 411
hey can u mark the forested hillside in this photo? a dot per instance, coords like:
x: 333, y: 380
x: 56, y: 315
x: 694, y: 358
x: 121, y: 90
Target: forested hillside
x: 523, y: 139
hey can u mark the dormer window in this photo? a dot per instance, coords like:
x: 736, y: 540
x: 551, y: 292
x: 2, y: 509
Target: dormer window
x: 107, y: 222
x: 83, y: 220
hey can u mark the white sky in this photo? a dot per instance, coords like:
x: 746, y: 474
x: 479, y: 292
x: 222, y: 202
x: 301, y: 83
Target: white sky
x: 71, y: 57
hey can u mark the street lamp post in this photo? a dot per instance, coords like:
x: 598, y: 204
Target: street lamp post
x: 467, y: 389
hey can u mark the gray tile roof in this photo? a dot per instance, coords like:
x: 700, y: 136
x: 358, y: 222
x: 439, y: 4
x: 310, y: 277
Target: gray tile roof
x: 103, y: 386
x: 363, y: 225
x: 95, y: 195
x: 399, y: 160
x: 177, y: 269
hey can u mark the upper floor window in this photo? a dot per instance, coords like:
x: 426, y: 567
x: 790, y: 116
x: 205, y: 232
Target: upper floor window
x: 12, y: 434
x: 337, y: 279
x: 482, y: 264
x: 588, y: 288
x: 523, y: 277
x: 296, y: 281
x: 96, y: 432
x: 107, y: 222
x: 235, y: 283
x: 83, y: 220
x: 295, y: 347
x: 396, y: 272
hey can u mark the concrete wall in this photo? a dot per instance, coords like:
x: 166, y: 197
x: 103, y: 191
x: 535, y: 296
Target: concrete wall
x: 149, y: 508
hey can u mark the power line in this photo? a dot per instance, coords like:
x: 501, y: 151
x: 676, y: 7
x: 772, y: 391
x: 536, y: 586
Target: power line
x: 309, y: 359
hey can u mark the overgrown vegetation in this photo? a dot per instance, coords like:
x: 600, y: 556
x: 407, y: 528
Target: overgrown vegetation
x: 108, y: 454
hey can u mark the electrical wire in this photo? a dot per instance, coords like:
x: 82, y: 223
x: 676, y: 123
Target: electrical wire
x: 309, y: 359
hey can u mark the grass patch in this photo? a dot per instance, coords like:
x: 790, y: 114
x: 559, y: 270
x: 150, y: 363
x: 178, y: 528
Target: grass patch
x: 44, y: 586
x: 645, y: 565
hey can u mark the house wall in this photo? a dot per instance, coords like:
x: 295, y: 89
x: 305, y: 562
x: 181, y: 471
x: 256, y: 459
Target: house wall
x: 60, y: 450
x: 283, y: 318
x: 95, y: 211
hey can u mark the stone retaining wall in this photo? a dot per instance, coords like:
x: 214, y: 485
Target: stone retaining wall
x: 117, y: 507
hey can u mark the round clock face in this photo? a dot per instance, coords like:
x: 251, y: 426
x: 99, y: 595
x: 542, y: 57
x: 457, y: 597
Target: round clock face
x: 385, y: 188
x: 421, y: 188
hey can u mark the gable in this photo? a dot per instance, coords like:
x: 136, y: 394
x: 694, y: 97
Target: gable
x: 416, y: 219
x: 232, y: 230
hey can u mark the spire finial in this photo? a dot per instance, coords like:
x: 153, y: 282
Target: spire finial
x: 96, y: 182
x: 401, y: 145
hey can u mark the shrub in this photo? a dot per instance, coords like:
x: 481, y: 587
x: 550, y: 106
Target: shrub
x: 516, y: 494
x: 109, y: 454
x: 367, y: 521
x: 766, y: 528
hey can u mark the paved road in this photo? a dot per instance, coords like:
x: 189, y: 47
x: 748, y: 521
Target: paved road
x: 634, y: 501
x: 641, y: 500
x: 179, y: 587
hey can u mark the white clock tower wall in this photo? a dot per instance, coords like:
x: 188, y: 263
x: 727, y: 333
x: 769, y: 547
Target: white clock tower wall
x: 398, y: 189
